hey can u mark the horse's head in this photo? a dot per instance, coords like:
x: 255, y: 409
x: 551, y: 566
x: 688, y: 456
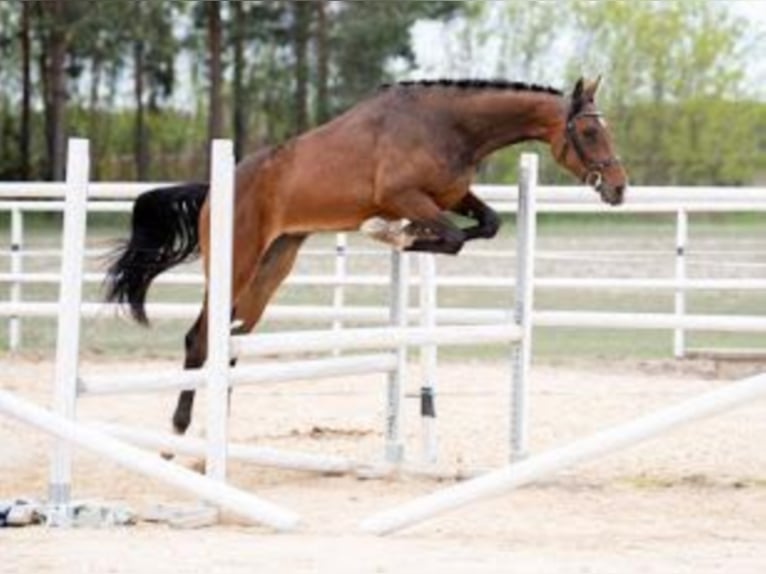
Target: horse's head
x: 583, y: 145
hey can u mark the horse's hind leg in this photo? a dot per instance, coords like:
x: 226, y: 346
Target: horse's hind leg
x: 196, y: 351
x: 274, y: 267
x: 272, y: 271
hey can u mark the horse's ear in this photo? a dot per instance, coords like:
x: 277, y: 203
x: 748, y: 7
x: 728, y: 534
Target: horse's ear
x: 591, y: 88
x: 577, y: 101
x: 578, y: 91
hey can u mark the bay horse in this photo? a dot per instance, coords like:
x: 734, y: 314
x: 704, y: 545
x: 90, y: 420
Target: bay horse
x: 407, y: 152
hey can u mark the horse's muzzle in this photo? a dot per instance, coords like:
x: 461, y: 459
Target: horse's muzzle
x: 611, y: 194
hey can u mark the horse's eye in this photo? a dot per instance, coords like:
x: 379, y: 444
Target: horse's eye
x: 590, y: 135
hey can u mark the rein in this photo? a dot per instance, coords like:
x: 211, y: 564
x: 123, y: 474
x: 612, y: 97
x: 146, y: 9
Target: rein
x: 595, y: 168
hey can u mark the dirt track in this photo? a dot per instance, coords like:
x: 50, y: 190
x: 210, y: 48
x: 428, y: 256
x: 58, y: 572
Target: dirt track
x: 694, y: 501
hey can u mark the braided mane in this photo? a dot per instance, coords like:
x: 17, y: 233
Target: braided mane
x: 475, y: 85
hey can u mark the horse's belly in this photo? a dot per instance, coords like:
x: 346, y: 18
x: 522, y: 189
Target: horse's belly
x: 327, y: 212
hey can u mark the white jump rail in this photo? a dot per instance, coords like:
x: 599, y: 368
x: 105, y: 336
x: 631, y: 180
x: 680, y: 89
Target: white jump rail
x: 179, y: 379
x: 589, y: 448
x: 236, y: 501
x: 609, y: 320
x: 257, y: 455
x: 372, y: 338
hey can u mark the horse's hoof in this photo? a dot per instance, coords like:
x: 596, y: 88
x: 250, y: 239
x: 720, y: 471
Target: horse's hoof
x: 167, y: 455
x: 389, y: 232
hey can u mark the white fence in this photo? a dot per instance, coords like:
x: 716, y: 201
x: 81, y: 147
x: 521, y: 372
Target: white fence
x: 677, y: 202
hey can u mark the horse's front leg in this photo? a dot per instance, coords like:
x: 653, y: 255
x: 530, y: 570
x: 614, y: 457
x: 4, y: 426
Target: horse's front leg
x: 487, y: 220
x: 421, y: 225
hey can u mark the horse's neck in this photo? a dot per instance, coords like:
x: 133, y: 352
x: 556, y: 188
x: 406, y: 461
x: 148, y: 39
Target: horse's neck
x: 499, y: 118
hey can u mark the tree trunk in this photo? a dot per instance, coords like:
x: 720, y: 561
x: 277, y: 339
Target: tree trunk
x: 215, y: 113
x: 300, y: 45
x: 94, y: 123
x: 322, y: 103
x: 25, y: 135
x: 239, y: 104
x: 52, y: 60
x: 140, y: 134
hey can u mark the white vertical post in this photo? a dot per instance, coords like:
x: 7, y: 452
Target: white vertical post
x: 430, y: 446
x: 526, y: 231
x: 339, y: 291
x: 17, y: 238
x: 68, y: 333
x: 682, y: 235
x: 396, y: 379
x: 219, y: 306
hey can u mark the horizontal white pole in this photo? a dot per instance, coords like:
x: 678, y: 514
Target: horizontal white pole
x: 630, y: 321
x: 96, y: 190
x: 58, y: 206
x: 644, y: 194
x: 164, y: 380
x: 90, y: 310
x: 742, y: 284
x: 51, y: 277
x: 502, y: 207
x: 705, y: 255
x: 236, y: 501
x: 372, y: 338
x: 545, y: 193
x: 258, y: 455
x: 44, y: 253
x: 591, y: 447
x: 669, y: 284
x: 463, y: 316
x: 241, y: 375
x: 117, y: 197
x: 625, y: 208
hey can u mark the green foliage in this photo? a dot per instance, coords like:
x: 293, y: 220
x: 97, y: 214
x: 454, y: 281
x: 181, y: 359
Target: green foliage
x: 673, y: 94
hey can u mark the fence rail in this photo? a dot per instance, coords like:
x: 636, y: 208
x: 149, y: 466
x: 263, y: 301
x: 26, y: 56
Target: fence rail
x: 116, y: 197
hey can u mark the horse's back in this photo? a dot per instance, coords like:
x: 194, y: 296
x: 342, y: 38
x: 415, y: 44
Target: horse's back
x: 332, y: 177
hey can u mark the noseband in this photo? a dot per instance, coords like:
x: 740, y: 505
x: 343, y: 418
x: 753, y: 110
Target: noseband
x: 595, y: 168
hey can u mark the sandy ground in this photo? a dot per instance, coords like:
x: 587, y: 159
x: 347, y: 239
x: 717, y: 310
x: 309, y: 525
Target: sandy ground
x: 690, y: 502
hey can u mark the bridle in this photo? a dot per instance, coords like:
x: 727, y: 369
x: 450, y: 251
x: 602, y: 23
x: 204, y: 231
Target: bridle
x: 595, y: 168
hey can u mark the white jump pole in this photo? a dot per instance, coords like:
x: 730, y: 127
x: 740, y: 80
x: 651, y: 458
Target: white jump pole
x: 219, y: 306
x: 17, y: 238
x: 591, y: 447
x: 258, y: 455
x: 339, y: 290
x: 238, y: 502
x: 682, y: 233
x: 428, y: 358
x: 526, y: 232
x: 394, y: 449
x: 68, y: 334
x: 373, y: 338
x: 184, y: 379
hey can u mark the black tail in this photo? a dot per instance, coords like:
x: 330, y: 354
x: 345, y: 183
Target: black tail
x: 164, y: 234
